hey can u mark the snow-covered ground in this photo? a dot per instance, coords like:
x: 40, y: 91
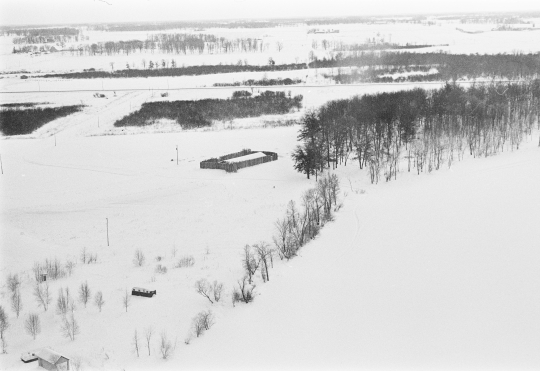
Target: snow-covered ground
x: 295, y: 40
x: 426, y: 272
x: 435, y: 271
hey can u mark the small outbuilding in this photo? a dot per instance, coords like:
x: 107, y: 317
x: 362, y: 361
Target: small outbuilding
x: 51, y: 360
x: 139, y: 291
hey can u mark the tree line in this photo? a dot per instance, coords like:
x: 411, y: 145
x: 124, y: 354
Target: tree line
x: 200, y: 113
x: 14, y: 121
x: 419, y: 129
x: 177, y: 71
x: 370, y: 67
x: 46, y: 32
x: 262, y: 82
x: 176, y: 43
x: 450, y: 66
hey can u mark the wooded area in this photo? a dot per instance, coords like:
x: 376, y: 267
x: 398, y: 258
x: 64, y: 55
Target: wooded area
x: 14, y: 121
x: 200, y: 113
x: 428, y: 129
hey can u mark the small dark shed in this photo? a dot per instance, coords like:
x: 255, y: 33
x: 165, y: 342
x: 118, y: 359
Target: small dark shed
x: 51, y: 360
x: 138, y: 291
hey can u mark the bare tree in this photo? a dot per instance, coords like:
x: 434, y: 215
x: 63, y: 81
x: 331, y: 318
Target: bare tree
x: 139, y: 258
x: 126, y: 300
x: 13, y: 282
x: 62, y: 303
x: 32, y: 325
x: 197, y: 326
x: 84, y: 293
x: 69, y: 267
x: 84, y: 256
x: 202, y: 322
x: 165, y: 346
x: 70, y: 327
x: 136, y: 341
x: 249, y: 262
x: 148, y: 336
x: 203, y: 287
x: 217, y: 288
x: 42, y: 294
x: 244, y: 292
x: 16, y: 302
x: 98, y: 300
x: 264, y: 253
x: 279, y: 46
x: 207, y: 319
x: 283, y: 239
x: 4, y: 325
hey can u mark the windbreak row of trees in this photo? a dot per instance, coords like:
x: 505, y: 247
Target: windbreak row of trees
x: 372, y: 67
x: 15, y: 121
x: 262, y: 82
x: 46, y: 32
x: 419, y: 129
x: 163, y: 26
x: 200, y: 113
x: 177, y: 43
x: 178, y: 71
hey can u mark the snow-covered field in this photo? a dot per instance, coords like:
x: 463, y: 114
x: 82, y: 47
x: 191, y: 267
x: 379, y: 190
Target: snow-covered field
x: 296, y: 42
x: 426, y: 272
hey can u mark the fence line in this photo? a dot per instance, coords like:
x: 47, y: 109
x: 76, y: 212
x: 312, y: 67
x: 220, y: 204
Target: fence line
x: 220, y: 162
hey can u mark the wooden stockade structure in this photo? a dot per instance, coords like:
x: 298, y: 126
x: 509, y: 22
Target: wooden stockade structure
x: 221, y: 162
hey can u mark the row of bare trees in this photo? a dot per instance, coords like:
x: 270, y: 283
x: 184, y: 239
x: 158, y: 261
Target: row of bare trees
x: 417, y: 129
x: 299, y: 225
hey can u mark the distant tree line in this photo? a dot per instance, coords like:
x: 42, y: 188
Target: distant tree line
x: 175, y: 43
x: 419, y: 129
x: 450, y: 66
x: 163, y: 26
x: 44, y: 32
x: 262, y: 82
x: 177, y: 71
x: 24, y: 121
x: 200, y: 113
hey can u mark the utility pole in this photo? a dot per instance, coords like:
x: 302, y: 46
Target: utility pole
x: 107, y: 219
x: 177, y: 154
x: 55, y: 140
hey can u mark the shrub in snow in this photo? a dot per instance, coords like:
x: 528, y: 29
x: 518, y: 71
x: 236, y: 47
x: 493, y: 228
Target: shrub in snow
x: 202, y: 322
x: 244, y: 292
x: 161, y: 269
x: 98, y: 300
x: 203, y: 288
x: 185, y: 261
x: 217, y: 288
x: 139, y: 258
x: 84, y: 293
x: 165, y: 346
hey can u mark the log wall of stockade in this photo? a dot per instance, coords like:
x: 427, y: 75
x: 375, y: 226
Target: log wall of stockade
x: 220, y: 162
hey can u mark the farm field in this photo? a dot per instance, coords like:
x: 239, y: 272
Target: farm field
x: 429, y: 271
x: 296, y: 45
